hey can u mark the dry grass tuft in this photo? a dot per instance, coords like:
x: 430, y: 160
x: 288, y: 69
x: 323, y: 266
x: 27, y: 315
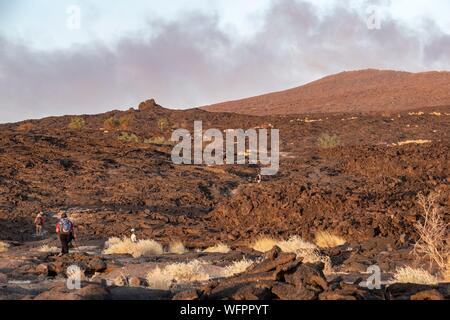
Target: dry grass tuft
x: 112, y: 241
x: 416, y: 113
x: 3, y: 246
x: 218, y: 248
x: 324, y: 239
x: 433, y: 234
x: 295, y: 244
x: 177, y: 248
x: 48, y: 249
x: 177, y: 273
x: 402, y: 143
x: 193, y: 271
x: 416, y: 276
x: 307, y: 251
x: 303, y: 249
x: 328, y: 141
x: 236, y: 267
x: 264, y: 244
x: 136, y: 249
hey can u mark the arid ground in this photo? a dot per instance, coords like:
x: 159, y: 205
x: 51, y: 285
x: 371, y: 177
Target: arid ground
x: 346, y: 200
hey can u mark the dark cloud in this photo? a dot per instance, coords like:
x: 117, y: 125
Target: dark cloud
x: 193, y: 62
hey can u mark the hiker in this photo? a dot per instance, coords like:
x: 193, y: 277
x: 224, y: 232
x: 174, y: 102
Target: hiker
x: 258, y: 178
x: 65, y: 230
x: 133, y: 236
x: 39, y: 223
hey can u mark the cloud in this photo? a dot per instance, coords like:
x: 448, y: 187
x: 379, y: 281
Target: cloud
x: 192, y: 61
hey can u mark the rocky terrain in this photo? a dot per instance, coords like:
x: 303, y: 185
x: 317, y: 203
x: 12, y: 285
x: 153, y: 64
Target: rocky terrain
x: 355, y: 175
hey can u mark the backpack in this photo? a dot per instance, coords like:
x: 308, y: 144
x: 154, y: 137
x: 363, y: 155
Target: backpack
x: 65, y: 226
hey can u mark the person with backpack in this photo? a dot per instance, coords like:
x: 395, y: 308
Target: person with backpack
x: 39, y: 223
x: 65, y: 230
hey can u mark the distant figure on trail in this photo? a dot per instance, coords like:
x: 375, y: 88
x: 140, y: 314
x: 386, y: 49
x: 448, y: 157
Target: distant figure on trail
x: 65, y: 230
x: 39, y: 222
x: 258, y: 178
x: 133, y: 236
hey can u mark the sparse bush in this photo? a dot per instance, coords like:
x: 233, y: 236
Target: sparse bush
x: 177, y: 248
x: 329, y: 141
x: 177, y: 273
x: 416, y: 276
x: 128, y: 137
x: 160, y: 141
x: 218, y: 248
x: 136, y: 249
x: 3, y: 246
x: 324, y: 239
x: 433, y: 234
x: 77, y: 123
x: 114, y: 123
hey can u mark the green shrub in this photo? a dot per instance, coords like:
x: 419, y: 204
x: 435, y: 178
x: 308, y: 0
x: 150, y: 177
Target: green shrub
x: 114, y: 123
x: 77, y: 123
x: 160, y: 141
x: 329, y: 141
x: 128, y: 137
x: 162, y: 124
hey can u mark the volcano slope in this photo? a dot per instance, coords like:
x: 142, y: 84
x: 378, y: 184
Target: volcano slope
x: 356, y: 176
x: 352, y: 91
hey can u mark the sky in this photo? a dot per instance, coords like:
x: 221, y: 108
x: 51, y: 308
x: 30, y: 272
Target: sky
x: 85, y: 57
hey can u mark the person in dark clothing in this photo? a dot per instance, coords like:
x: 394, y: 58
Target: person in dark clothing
x: 65, y: 230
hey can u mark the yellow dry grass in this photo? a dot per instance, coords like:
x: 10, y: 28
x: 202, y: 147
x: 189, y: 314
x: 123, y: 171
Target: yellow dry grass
x: 406, y: 142
x: 303, y: 249
x: 136, y: 249
x: 312, y: 120
x: 177, y: 248
x: 48, y: 249
x: 177, y: 273
x: 236, y: 267
x: 218, y: 248
x: 416, y: 276
x: 164, y: 278
x: 295, y: 244
x: 264, y: 244
x: 325, y: 239
x: 3, y: 246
